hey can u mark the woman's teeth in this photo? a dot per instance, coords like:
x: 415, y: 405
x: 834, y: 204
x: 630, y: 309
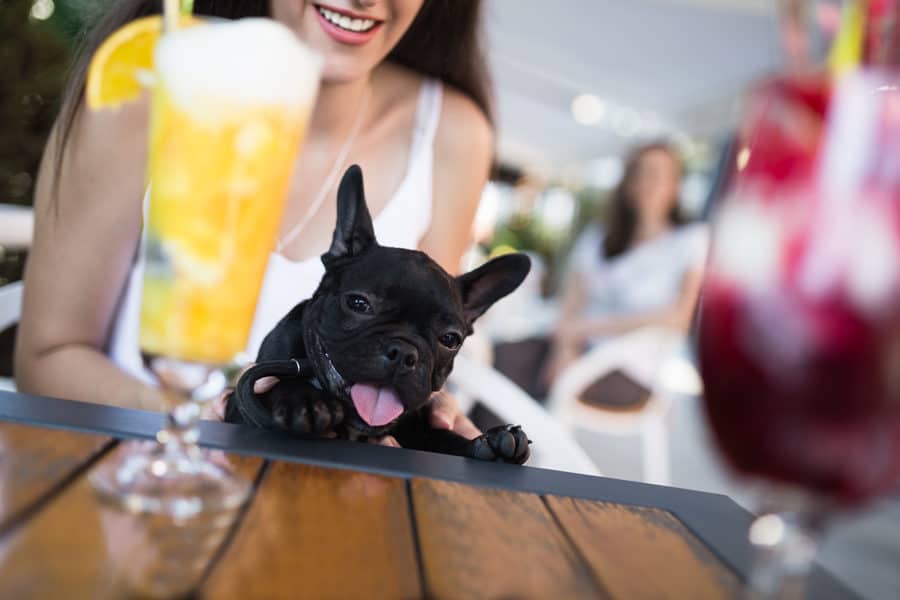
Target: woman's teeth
x: 345, y: 22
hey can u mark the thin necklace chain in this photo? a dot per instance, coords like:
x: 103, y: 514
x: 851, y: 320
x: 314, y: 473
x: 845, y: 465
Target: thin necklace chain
x: 336, y: 169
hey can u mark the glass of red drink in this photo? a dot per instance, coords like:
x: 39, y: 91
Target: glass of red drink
x: 799, y: 337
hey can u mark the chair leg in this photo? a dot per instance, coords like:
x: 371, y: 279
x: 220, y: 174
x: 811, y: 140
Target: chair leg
x: 655, y: 447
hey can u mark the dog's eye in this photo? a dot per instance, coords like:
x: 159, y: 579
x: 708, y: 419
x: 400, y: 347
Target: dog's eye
x: 358, y: 304
x: 451, y: 340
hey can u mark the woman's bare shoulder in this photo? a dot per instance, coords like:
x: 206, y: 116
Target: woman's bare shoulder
x: 463, y: 149
x: 459, y: 109
x: 400, y: 85
x: 464, y: 141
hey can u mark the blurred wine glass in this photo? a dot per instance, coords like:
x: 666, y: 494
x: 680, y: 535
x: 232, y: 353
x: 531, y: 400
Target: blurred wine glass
x: 799, y: 337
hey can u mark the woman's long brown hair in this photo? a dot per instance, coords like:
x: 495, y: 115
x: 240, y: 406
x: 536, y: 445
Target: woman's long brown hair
x: 443, y: 42
x: 623, y: 218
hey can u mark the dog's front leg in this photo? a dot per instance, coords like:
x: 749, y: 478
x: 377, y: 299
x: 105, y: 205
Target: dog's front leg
x: 505, y: 443
x: 298, y: 407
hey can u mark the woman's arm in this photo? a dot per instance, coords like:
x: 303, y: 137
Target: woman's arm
x: 566, y: 350
x: 676, y: 316
x: 84, y: 244
x: 463, y: 148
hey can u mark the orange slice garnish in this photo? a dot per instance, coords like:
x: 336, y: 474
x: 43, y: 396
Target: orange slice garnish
x: 121, y: 65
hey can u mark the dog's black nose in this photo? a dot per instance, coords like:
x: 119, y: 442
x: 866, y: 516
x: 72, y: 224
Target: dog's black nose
x: 402, y: 356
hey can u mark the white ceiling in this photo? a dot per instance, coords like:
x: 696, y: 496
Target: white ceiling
x: 678, y: 64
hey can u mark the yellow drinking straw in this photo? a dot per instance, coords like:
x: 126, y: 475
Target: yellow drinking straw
x: 170, y: 15
x: 846, y: 52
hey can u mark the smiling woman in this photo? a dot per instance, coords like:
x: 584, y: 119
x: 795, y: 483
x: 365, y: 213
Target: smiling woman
x: 404, y: 93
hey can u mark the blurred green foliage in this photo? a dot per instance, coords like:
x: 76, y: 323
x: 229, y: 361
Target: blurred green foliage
x: 35, y: 54
x: 525, y: 232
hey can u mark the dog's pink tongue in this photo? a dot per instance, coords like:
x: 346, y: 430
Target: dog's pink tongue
x: 376, y: 406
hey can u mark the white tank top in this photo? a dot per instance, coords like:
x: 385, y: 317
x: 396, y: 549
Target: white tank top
x: 402, y: 223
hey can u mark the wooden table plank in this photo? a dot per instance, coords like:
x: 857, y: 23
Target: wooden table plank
x: 486, y: 543
x: 76, y: 547
x: 321, y: 533
x: 641, y: 552
x: 36, y: 462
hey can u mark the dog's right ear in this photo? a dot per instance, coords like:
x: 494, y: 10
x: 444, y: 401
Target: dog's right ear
x: 490, y: 282
x: 353, y: 233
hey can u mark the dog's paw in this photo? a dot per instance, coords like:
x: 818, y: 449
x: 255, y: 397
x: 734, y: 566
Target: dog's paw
x: 505, y: 443
x: 304, y: 410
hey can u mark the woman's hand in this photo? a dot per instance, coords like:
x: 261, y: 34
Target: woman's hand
x: 568, y: 342
x: 214, y: 410
x: 445, y: 414
x: 571, y: 333
x: 560, y: 358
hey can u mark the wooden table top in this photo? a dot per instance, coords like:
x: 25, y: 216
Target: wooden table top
x: 332, y: 519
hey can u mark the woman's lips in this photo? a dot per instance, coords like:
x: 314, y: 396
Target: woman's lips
x: 344, y: 34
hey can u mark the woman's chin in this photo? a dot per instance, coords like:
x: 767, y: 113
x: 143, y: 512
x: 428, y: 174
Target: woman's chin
x: 338, y: 69
x: 341, y: 63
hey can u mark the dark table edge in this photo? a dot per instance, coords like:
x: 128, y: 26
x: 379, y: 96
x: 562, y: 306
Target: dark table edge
x: 714, y: 518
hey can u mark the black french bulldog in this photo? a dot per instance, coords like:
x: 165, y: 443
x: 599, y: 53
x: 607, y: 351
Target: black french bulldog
x: 377, y: 338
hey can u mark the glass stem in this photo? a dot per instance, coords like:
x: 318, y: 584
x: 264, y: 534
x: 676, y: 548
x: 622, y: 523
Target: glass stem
x: 785, y: 545
x: 180, y: 434
x: 184, y: 386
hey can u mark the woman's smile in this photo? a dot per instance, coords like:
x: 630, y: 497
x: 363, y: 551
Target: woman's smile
x: 351, y: 36
x: 345, y: 26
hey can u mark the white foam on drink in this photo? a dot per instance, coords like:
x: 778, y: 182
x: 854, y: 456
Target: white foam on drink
x: 237, y: 63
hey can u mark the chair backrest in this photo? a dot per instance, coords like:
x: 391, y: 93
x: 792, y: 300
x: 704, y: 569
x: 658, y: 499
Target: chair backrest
x: 10, y: 309
x: 10, y: 304
x: 16, y: 225
x: 553, y: 446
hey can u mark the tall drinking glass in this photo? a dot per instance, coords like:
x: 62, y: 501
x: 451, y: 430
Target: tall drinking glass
x: 230, y: 106
x: 800, y: 317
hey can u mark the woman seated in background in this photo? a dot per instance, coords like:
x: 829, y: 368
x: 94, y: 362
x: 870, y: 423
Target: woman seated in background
x: 642, y: 269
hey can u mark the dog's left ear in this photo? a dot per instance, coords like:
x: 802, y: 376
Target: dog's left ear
x: 353, y: 233
x: 490, y: 282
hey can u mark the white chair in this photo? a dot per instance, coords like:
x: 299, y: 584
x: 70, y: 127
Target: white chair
x: 16, y: 230
x: 16, y: 225
x: 553, y: 446
x: 10, y: 309
x: 647, y: 351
